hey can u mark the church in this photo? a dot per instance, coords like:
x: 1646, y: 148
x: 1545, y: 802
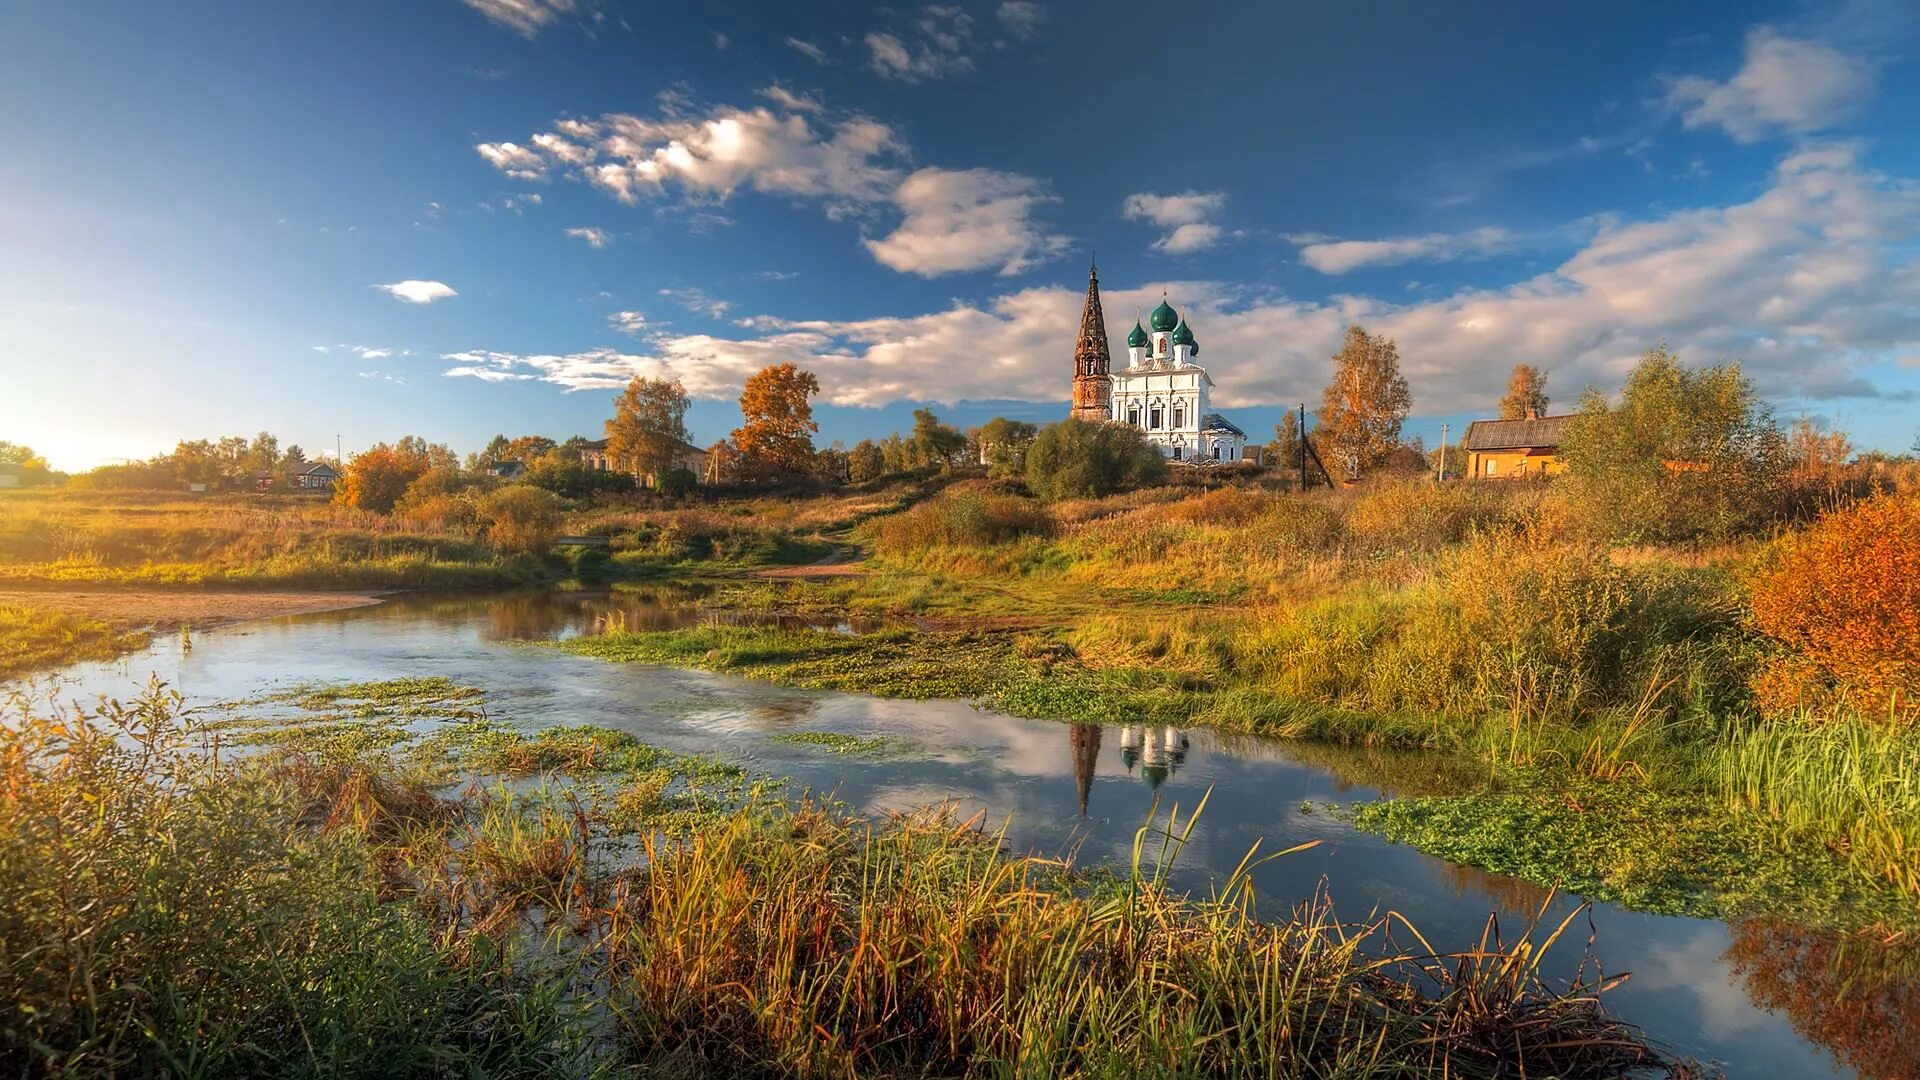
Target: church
x: 1163, y: 390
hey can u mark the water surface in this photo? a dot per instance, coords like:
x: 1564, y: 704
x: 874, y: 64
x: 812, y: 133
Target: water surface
x: 1059, y: 788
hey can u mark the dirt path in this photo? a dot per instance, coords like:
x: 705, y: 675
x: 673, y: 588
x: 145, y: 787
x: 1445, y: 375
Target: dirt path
x: 836, y: 563
x: 167, y: 609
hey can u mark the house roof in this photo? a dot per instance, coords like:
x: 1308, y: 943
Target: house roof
x: 600, y: 445
x: 1215, y: 422
x: 1544, y: 431
x: 319, y: 467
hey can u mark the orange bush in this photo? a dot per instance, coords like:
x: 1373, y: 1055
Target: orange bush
x: 1844, y: 596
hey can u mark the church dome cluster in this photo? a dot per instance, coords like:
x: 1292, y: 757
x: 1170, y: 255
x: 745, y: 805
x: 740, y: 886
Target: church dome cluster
x: 1164, y: 318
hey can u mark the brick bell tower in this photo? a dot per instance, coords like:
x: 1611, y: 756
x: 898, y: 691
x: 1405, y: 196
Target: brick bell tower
x: 1092, y: 386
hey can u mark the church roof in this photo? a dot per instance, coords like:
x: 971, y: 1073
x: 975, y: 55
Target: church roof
x: 1090, y: 355
x: 1164, y: 318
x: 1215, y: 422
x: 1183, y: 335
x: 1138, y: 338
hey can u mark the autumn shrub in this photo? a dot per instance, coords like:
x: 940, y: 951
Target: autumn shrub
x: 1295, y: 527
x: 525, y: 520
x: 961, y: 519
x: 1843, y: 599
x: 1416, y: 513
x: 1074, y: 459
x: 445, y: 512
x: 377, y: 479
x: 1222, y: 506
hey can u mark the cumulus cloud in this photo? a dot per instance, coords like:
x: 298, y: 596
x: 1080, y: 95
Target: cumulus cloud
x: 1021, y: 18
x: 967, y: 219
x: 594, y: 235
x: 1340, y: 256
x: 1184, y: 216
x: 628, y: 322
x: 418, y: 292
x: 953, y: 219
x: 1807, y: 284
x: 1785, y: 85
x: 524, y: 17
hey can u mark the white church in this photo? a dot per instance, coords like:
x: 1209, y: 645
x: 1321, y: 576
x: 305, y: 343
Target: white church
x: 1163, y: 390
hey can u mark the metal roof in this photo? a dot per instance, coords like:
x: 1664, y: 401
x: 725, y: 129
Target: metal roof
x: 1544, y: 431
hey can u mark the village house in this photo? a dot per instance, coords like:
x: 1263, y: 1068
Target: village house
x: 688, y: 457
x: 316, y: 476
x: 1515, y: 449
x: 9, y: 475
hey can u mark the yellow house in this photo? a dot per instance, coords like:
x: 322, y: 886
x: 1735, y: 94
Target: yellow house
x: 1514, y: 449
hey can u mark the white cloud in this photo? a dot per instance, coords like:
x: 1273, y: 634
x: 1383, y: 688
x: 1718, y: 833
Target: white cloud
x: 1184, y: 216
x: 1813, y: 280
x: 791, y: 101
x: 1785, y: 85
x: 594, y: 235
x: 696, y: 301
x: 628, y: 322
x: 936, y: 47
x: 778, y: 275
x: 962, y: 219
x: 525, y: 17
x: 1022, y: 18
x: 809, y: 50
x: 721, y: 41
x: 382, y: 376
x: 967, y: 219
x: 418, y: 292
x: 1340, y: 256
x: 516, y: 161
x: 366, y: 352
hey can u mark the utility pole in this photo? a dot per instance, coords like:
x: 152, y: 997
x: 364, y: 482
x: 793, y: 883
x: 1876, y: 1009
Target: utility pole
x: 1302, y: 448
x: 336, y: 452
x: 1443, y: 453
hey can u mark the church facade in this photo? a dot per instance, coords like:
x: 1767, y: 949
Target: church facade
x: 1163, y: 390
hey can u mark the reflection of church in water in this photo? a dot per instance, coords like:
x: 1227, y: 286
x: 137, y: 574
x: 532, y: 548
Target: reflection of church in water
x: 1157, y: 749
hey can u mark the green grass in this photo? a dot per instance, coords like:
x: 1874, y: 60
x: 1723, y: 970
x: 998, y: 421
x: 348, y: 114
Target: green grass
x: 1672, y: 852
x: 836, y: 742
x: 35, y: 639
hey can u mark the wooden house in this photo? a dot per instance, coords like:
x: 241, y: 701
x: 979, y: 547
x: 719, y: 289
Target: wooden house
x: 1514, y: 449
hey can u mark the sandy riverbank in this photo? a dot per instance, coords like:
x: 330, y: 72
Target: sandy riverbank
x: 159, y: 610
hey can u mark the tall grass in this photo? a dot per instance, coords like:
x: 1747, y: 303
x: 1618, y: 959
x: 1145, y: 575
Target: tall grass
x: 1847, y: 782
x: 170, y: 911
x: 33, y: 638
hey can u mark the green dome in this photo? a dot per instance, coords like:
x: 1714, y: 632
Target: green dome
x: 1137, y: 339
x: 1183, y: 335
x: 1164, y: 318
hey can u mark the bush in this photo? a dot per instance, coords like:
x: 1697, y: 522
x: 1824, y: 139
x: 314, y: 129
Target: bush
x: 961, y: 519
x: 526, y: 519
x: 1399, y: 514
x: 377, y: 479
x: 1074, y: 459
x: 1844, y: 597
x: 1223, y: 506
x: 676, y: 482
x: 438, y: 511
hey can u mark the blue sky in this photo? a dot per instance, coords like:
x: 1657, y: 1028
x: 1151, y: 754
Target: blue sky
x: 459, y: 217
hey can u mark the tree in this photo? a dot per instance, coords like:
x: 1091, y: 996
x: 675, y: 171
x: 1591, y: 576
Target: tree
x: 936, y: 443
x: 1003, y: 445
x: 649, y: 427
x: 865, y: 462
x: 525, y: 519
x: 377, y: 477
x: 1284, y: 451
x: 1078, y: 459
x: 1365, y: 404
x: 1686, y: 454
x: 1526, y: 393
x: 33, y: 467
x: 1819, y: 462
x: 831, y: 466
x: 775, y: 437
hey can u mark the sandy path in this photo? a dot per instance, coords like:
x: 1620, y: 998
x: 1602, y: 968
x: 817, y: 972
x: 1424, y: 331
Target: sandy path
x: 167, y: 609
x: 836, y: 563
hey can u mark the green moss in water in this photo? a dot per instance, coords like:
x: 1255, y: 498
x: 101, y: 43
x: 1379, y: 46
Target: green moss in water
x: 835, y: 742
x: 1650, y: 849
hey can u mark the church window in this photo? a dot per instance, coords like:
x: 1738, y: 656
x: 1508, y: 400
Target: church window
x: 1133, y: 415
x: 1216, y: 451
x: 1179, y: 414
x: 1176, y: 451
x: 1153, y: 418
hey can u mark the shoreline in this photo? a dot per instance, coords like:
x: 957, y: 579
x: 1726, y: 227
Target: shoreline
x: 150, y: 610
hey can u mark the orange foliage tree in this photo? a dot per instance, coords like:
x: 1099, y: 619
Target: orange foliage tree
x: 775, y: 437
x: 1844, y: 596
x: 378, y: 477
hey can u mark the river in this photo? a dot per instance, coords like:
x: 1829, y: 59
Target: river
x: 1058, y: 787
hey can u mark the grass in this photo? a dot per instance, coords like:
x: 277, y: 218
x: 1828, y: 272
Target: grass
x: 304, y: 915
x: 34, y: 639
x: 837, y: 742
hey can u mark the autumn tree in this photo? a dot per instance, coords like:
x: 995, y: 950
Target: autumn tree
x: 1685, y: 454
x: 33, y: 468
x: 524, y: 520
x: 1526, y: 393
x: 775, y: 437
x: 1365, y: 404
x: 1284, y: 451
x: 377, y: 477
x: 865, y: 462
x: 649, y: 427
x: 937, y: 443
x: 1819, y: 463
